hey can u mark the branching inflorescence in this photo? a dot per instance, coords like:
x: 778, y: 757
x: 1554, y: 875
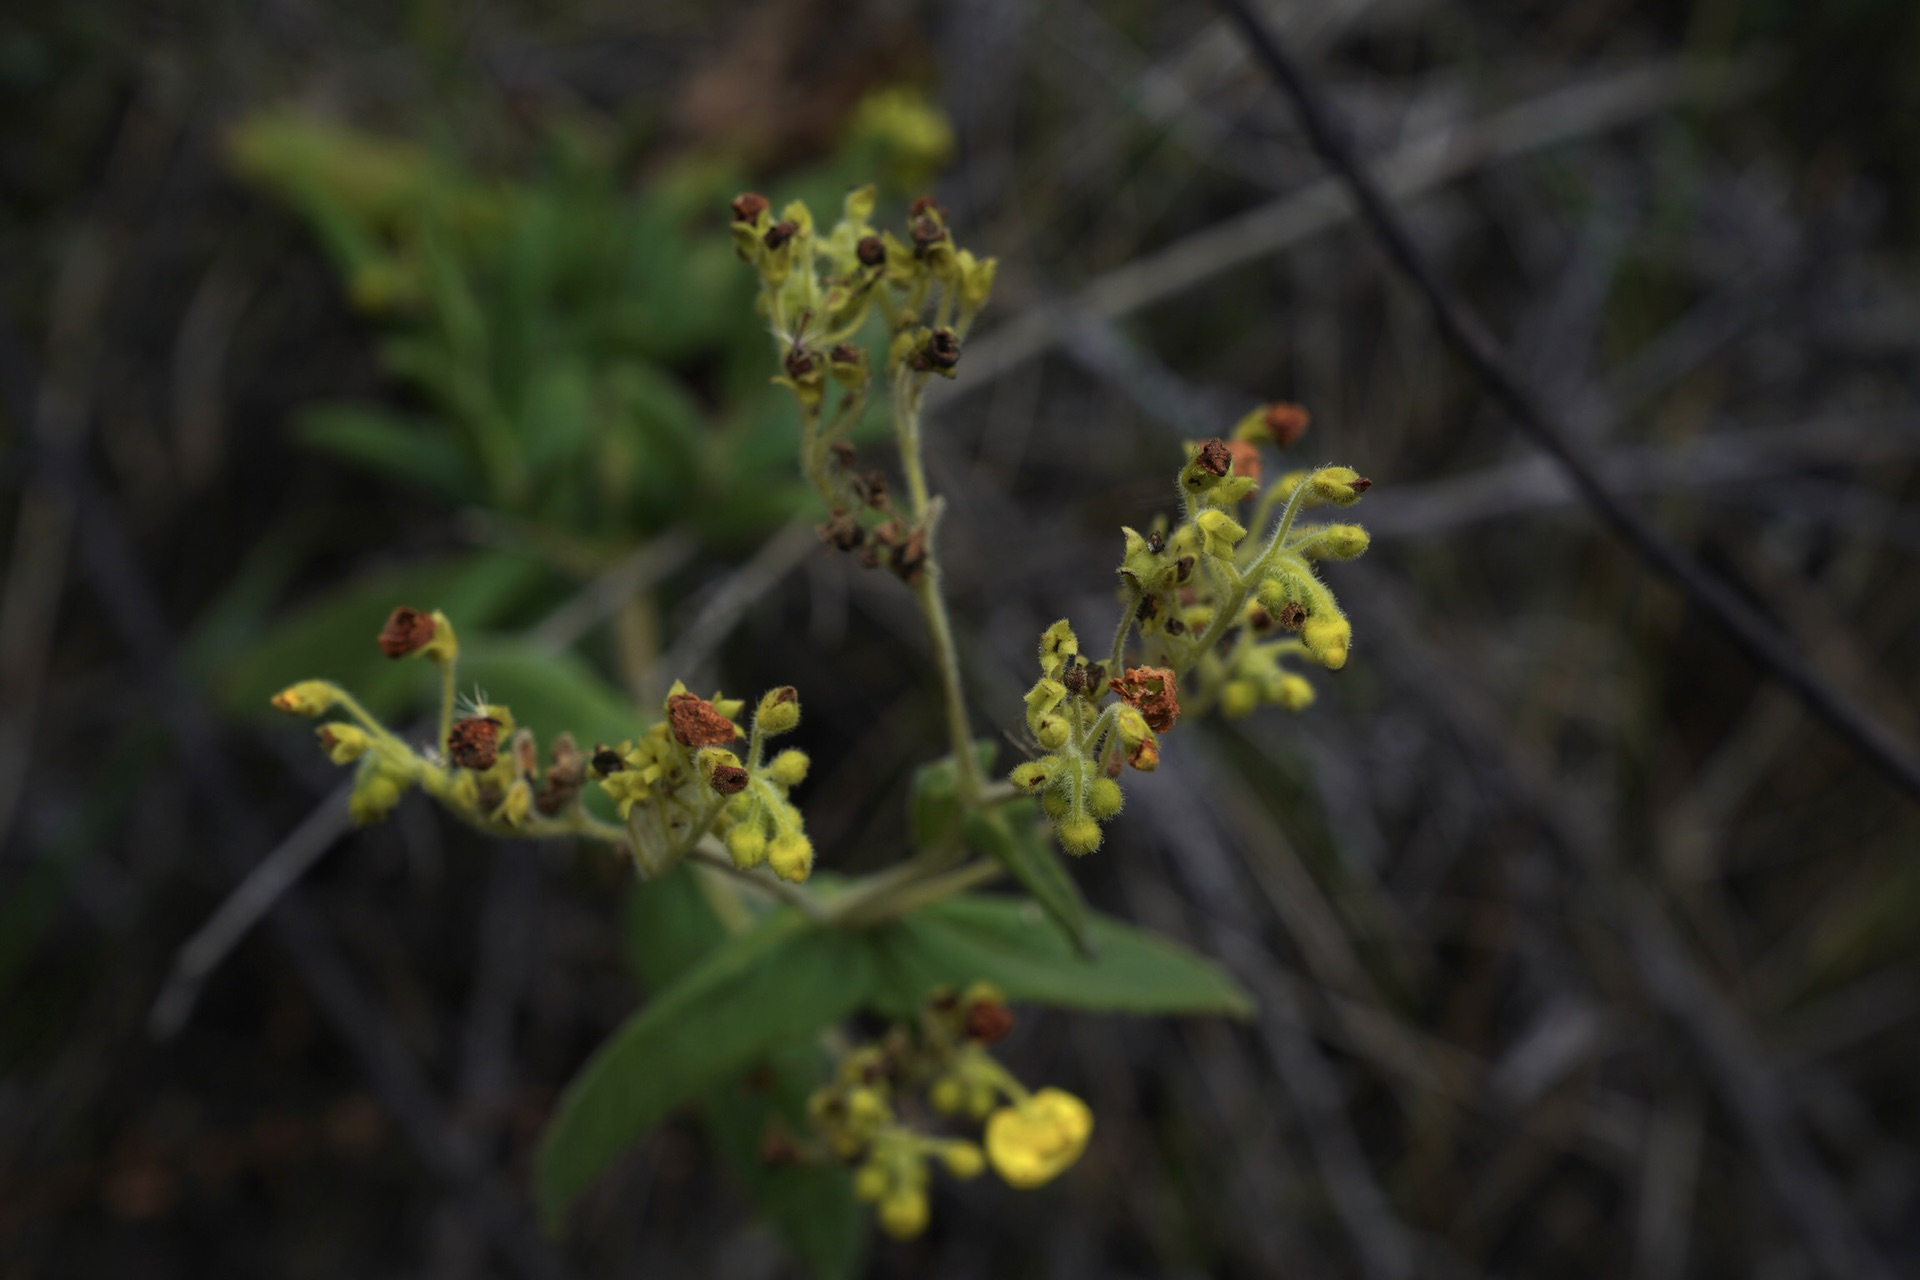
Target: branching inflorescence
x: 1209, y: 617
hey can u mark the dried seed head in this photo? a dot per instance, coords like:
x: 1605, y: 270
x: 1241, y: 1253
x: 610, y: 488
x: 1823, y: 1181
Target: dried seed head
x: 872, y: 251
x: 1286, y: 423
x: 607, y: 761
x: 474, y: 743
x: 1246, y: 458
x: 1293, y: 615
x: 1215, y: 458
x: 843, y: 531
x: 407, y: 631
x: 696, y: 723
x: 1154, y: 692
x: 748, y: 205
x: 1156, y: 541
x: 780, y: 232
x: 728, y: 779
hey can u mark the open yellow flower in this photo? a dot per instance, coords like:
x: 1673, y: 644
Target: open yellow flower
x: 1035, y: 1141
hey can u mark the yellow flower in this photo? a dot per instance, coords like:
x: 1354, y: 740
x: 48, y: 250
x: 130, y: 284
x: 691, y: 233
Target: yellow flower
x: 1034, y: 1142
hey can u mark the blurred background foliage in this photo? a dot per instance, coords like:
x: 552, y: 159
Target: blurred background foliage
x: 308, y: 310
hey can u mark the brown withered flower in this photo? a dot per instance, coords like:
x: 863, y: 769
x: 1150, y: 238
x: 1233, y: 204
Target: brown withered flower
x: 407, y: 631
x: 1154, y: 692
x: 1246, y: 458
x: 474, y: 743
x: 1286, y: 423
x: 695, y: 722
x: 748, y: 205
x: 1215, y: 457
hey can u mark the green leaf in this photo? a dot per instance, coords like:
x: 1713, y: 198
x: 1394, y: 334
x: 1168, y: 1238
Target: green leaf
x: 779, y: 984
x: 673, y: 926
x: 1013, y: 835
x: 332, y: 637
x: 412, y: 451
x: 933, y: 799
x: 812, y: 1206
x: 1010, y: 943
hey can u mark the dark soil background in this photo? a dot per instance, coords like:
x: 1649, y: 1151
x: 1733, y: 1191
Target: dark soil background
x: 1581, y: 949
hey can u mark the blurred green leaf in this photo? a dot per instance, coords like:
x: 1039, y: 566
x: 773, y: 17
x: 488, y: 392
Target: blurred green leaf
x: 779, y: 984
x: 1012, y: 835
x: 673, y: 926
x: 331, y: 638
x: 1010, y: 942
x: 411, y: 451
x: 933, y: 798
x: 812, y: 1206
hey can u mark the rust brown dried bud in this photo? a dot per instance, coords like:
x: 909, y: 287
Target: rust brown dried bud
x: 845, y: 353
x: 1153, y: 691
x: 1259, y: 619
x: 1215, y: 458
x: 407, y: 631
x: 801, y: 362
x: 1183, y: 569
x: 871, y: 488
x: 910, y: 558
x: 749, y: 205
x: 474, y: 743
x: 988, y: 1022
x: 922, y: 204
x: 696, y: 723
x: 1246, y: 458
x: 1175, y: 627
x: 842, y: 531
x: 728, y: 779
x: 607, y: 761
x: 943, y: 349
x: 842, y: 451
x: 1293, y: 615
x: 872, y: 251
x: 1286, y: 423
x: 780, y: 232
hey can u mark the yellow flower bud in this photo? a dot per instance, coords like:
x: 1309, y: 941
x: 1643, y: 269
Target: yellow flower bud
x: 1131, y: 725
x: 1054, y: 803
x: 721, y: 770
x: 1219, y: 532
x: 518, y: 805
x: 870, y: 1182
x: 903, y: 1215
x: 1293, y: 692
x: 1327, y: 636
x: 1034, y: 1142
x: 1034, y: 774
x: 1078, y: 834
x: 1239, y: 698
x: 1057, y: 645
x: 376, y: 793
x: 963, y: 1159
x: 308, y: 698
x: 779, y: 710
x: 345, y: 743
x: 746, y: 845
x: 791, y: 856
x: 1045, y: 695
x: 948, y: 1095
x: 1104, y: 798
x: 789, y: 768
x: 1341, y: 541
x: 1051, y: 732
x: 1342, y: 486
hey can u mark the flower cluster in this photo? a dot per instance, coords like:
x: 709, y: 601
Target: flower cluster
x: 817, y: 291
x: 675, y: 785
x: 681, y: 779
x: 942, y: 1060
x: 1211, y: 608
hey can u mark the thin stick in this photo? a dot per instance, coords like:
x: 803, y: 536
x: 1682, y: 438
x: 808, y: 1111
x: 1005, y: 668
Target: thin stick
x: 1472, y: 341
